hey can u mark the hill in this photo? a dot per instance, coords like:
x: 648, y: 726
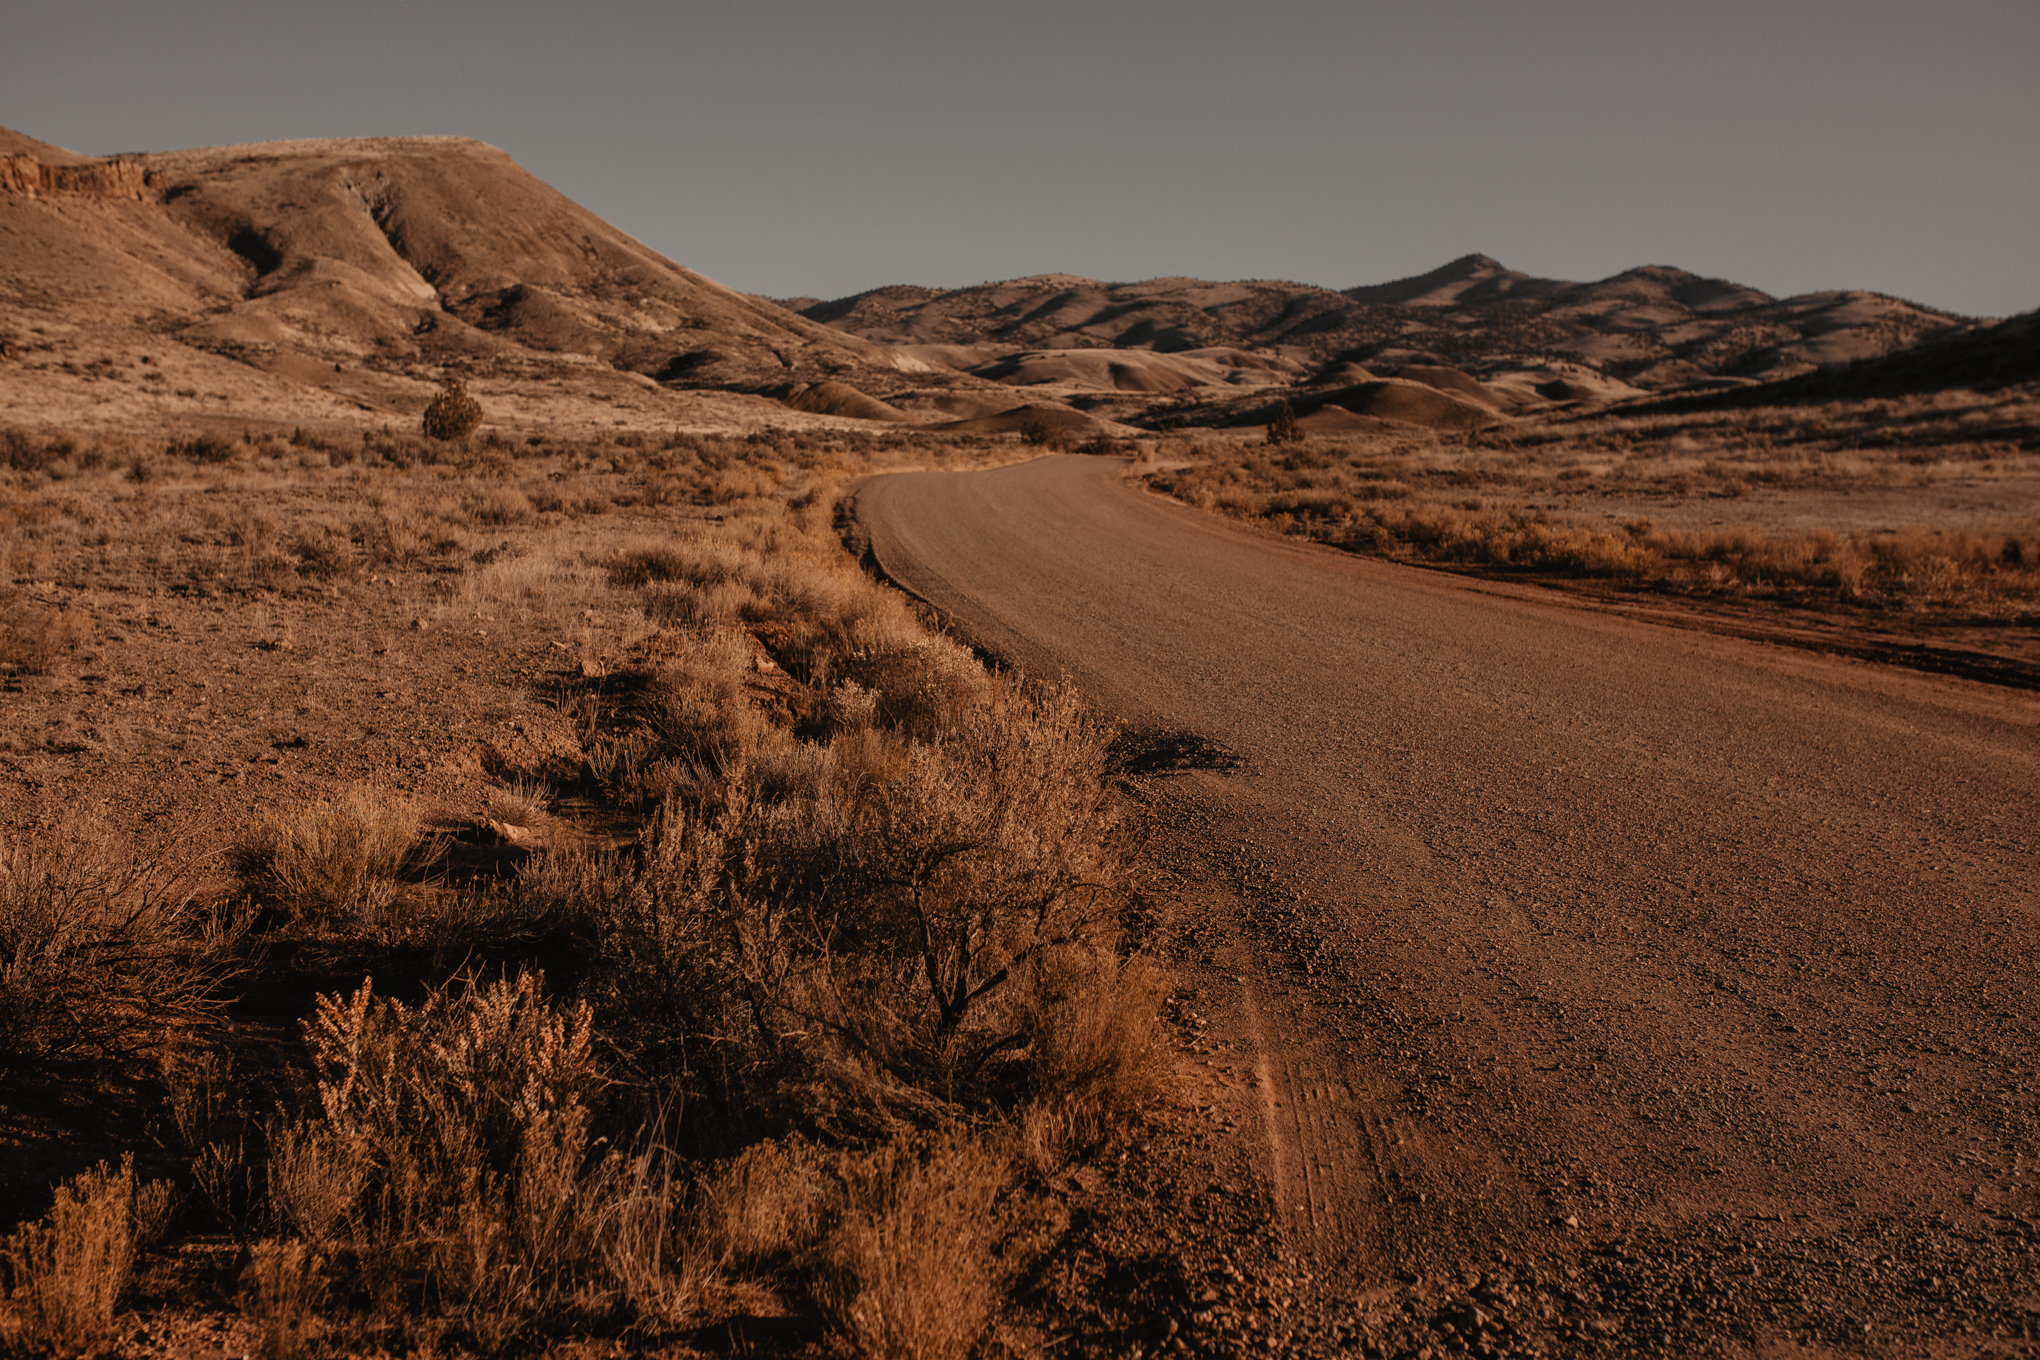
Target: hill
x: 1985, y: 360
x: 304, y: 278
x: 307, y: 280
x: 1651, y: 328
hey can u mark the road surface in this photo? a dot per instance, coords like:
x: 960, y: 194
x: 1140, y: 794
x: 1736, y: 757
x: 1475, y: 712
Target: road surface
x: 1682, y: 986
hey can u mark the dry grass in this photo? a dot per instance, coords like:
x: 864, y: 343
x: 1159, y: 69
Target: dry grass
x: 66, y: 1274
x: 1525, y: 498
x: 343, y: 861
x: 283, y: 1289
x: 914, y: 1262
x: 816, y: 881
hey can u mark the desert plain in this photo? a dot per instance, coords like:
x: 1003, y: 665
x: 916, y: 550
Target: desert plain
x: 1471, y: 815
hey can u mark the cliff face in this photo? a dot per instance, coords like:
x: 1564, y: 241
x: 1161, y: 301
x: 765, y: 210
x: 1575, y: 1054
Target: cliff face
x: 35, y: 178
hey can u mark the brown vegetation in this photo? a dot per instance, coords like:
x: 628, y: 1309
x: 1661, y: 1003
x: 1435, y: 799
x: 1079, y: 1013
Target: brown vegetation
x: 65, y: 1274
x: 829, y: 918
x: 453, y: 414
x: 1607, y: 497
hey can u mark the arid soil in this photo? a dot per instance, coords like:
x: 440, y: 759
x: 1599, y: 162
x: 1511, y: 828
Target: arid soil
x: 1566, y: 985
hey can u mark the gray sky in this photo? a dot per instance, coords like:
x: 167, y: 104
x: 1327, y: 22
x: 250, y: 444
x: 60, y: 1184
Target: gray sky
x: 824, y: 148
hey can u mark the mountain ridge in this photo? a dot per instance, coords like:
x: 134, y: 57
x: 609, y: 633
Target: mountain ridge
x: 1655, y: 327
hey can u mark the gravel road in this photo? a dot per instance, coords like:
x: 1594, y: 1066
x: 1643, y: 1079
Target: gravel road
x: 1568, y: 984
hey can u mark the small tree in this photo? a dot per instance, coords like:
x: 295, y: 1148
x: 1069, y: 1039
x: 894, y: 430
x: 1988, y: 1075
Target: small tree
x: 1283, y: 429
x: 453, y: 414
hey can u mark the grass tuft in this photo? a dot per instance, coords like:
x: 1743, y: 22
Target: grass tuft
x: 918, y: 1251
x: 339, y: 862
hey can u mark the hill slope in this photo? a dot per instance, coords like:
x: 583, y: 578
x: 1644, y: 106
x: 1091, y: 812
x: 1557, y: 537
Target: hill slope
x: 390, y: 259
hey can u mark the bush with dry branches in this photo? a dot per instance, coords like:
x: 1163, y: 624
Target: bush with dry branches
x: 454, y: 1161
x: 104, y: 950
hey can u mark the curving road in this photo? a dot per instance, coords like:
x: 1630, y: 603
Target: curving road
x: 1688, y: 984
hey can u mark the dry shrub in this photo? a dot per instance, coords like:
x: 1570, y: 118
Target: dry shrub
x: 324, y: 554
x: 947, y: 884
x: 283, y: 1288
x: 406, y: 537
x: 466, y: 1125
x: 102, y: 948
x: 520, y: 804
x: 201, y: 448
x: 878, y: 929
x: 919, y: 1249
x: 338, y: 862
x: 313, y: 1179
x: 653, y: 1251
x: 1044, y: 433
x: 697, y: 561
x: 67, y: 1272
x: 453, y: 414
x: 765, y: 1204
x: 699, y: 582
x: 925, y: 687
x: 702, y: 724
x: 210, y: 1112
x: 500, y: 506
x: 1096, y: 1049
x: 34, y: 637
